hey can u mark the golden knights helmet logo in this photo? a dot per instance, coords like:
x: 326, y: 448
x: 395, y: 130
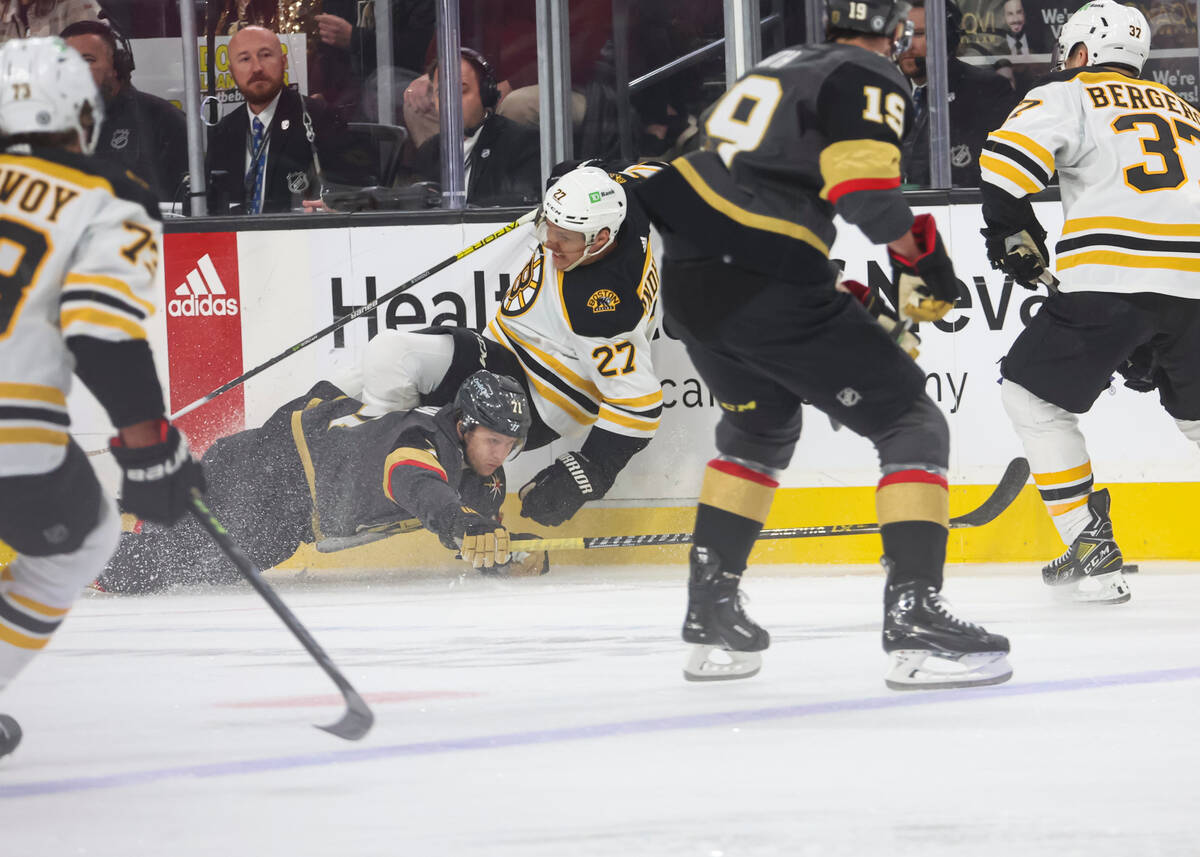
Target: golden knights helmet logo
x: 603, y: 300
x: 524, y: 289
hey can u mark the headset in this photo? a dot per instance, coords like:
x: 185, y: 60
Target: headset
x: 123, y: 63
x: 489, y: 90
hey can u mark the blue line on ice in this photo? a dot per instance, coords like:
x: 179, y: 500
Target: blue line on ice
x: 597, y: 730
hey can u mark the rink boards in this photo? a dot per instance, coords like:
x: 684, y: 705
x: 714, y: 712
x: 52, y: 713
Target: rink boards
x: 233, y: 300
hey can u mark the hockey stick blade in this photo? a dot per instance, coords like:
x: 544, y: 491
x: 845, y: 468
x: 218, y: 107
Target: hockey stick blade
x: 1006, y: 491
x: 358, y: 719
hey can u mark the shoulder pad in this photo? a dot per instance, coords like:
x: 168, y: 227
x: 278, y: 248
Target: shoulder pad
x: 602, y: 300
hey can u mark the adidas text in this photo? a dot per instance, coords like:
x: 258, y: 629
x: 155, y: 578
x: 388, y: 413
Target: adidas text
x: 193, y: 306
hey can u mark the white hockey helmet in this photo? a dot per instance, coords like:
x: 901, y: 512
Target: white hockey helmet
x: 585, y: 200
x: 46, y: 87
x: 1111, y: 32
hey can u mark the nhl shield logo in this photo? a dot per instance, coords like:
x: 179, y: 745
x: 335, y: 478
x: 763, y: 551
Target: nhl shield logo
x: 120, y: 138
x: 849, y: 397
x: 524, y: 289
x: 297, y: 182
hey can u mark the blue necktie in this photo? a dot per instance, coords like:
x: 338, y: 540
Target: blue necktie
x: 258, y: 153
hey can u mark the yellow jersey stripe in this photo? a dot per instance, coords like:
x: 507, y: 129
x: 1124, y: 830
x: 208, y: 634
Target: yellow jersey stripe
x: 553, y: 396
x: 22, y: 641
x: 1127, y: 260
x: 647, y: 400
x: 609, y: 415
x: 108, y: 283
x: 743, y: 216
x: 35, y: 392
x: 411, y: 456
x: 67, y: 174
x: 33, y: 435
x: 100, y: 318
x: 1072, y: 474
x: 1126, y: 224
x: 37, y: 606
x: 1030, y: 146
x: 581, y: 384
x: 1063, y: 508
x: 306, y: 462
x: 1010, y: 171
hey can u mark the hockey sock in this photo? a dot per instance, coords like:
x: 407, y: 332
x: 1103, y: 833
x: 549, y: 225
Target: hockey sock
x: 26, y: 626
x: 734, y: 502
x: 1065, y: 493
x: 914, y: 515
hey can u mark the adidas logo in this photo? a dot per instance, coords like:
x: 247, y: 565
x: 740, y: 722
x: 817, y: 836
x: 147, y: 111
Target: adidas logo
x: 202, y: 294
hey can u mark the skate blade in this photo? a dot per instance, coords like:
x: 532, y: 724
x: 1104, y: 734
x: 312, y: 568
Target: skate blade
x: 713, y: 663
x: 918, y: 669
x: 1110, y: 588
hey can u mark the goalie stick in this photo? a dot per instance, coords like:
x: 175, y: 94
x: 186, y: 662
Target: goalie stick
x: 358, y: 719
x: 1006, y: 490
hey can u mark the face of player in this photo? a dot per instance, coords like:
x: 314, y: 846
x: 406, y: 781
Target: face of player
x: 912, y: 61
x: 257, y: 62
x: 1014, y: 16
x: 487, y: 450
x: 99, y: 57
x: 472, y: 101
x: 566, y: 247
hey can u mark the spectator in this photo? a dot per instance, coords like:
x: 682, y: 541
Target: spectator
x: 980, y: 100
x: 142, y: 132
x: 1020, y: 38
x: 502, y: 158
x: 24, y: 19
x: 259, y: 156
x: 346, y: 55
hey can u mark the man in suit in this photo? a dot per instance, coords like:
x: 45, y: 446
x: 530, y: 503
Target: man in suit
x: 259, y: 158
x: 1022, y: 33
x: 502, y: 158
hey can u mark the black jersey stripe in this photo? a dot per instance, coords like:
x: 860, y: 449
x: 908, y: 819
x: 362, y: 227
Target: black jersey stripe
x: 645, y: 413
x: 532, y: 364
x: 1032, y: 166
x: 43, y: 415
x: 1130, y: 242
x: 22, y: 620
x: 92, y: 296
x: 1080, y: 489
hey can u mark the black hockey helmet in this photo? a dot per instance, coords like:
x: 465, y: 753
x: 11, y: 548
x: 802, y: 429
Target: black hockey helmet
x: 495, y: 402
x: 870, y: 17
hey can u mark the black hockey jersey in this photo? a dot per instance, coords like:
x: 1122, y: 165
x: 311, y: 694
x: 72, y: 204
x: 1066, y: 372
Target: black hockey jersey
x: 810, y: 131
x: 371, y: 477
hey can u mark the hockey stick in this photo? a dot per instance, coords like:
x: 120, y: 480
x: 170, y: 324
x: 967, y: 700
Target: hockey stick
x: 360, y: 311
x: 357, y: 720
x: 1002, y: 496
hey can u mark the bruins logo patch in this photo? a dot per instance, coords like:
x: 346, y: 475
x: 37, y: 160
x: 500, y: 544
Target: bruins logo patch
x: 603, y: 300
x: 523, y: 291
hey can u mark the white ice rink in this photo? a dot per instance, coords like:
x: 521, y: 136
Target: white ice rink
x: 548, y: 717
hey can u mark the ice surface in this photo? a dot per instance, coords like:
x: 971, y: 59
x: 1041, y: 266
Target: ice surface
x: 541, y: 717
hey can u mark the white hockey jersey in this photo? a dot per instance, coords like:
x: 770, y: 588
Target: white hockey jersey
x: 76, y: 259
x: 1127, y: 153
x: 583, y: 337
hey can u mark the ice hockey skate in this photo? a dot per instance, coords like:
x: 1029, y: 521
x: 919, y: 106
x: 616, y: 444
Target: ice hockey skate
x: 726, y: 642
x: 1089, y: 572
x: 10, y: 735
x: 931, y: 648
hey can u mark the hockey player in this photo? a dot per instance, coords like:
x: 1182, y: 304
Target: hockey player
x: 574, y: 328
x: 80, y: 248
x: 319, y: 470
x: 1124, y: 149
x: 746, y: 224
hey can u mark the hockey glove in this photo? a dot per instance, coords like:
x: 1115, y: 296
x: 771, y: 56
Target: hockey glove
x: 908, y: 341
x: 158, y: 479
x: 522, y: 563
x: 1022, y: 255
x: 926, y: 285
x: 482, y: 541
x: 557, y: 492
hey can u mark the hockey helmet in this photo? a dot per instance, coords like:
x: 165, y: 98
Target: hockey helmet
x: 495, y: 402
x: 1111, y: 32
x: 585, y: 200
x: 872, y: 18
x: 46, y: 87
